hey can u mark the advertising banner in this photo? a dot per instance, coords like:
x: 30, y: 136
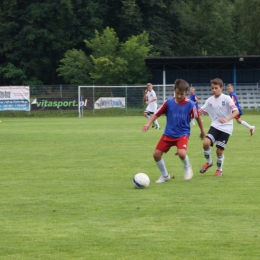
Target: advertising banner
x: 15, y: 98
x: 60, y: 103
x: 108, y: 102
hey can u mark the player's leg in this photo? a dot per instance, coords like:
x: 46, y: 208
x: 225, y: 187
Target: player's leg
x: 162, y: 147
x: 148, y: 114
x: 182, y: 145
x: 221, y: 145
x: 156, y: 124
x: 207, y: 143
x: 244, y: 123
x: 220, y: 161
x: 193, y: 121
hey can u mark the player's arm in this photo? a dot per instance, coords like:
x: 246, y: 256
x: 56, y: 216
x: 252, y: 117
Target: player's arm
x: 161, y: 110
x: 200, y: 124
x: 148, y: 124
x: 195, y: 114
x: 145, y: 95
x: 148, y: 102
x: 234, y: 114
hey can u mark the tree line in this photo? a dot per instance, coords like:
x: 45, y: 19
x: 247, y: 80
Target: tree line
x: 106, y: 41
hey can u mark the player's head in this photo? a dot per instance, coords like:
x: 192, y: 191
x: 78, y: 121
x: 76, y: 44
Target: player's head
x: 149, y: 86
x: 216, y: 86
x: 217, y: 81
x: 230, y: 88
x: 192, y: 90
x: 180, y: 88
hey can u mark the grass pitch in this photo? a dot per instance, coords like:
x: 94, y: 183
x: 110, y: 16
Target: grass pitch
x: 66, y: 193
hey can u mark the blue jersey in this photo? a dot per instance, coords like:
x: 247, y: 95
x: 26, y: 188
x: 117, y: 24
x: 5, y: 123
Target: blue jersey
x: 178, y: 117
x: 233, y: 96
x: 195, y: 99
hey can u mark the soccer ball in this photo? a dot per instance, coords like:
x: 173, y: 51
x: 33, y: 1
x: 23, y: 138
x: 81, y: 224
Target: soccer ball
x: 141, y: 180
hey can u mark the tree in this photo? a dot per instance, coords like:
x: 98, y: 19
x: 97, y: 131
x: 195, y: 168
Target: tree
x: 36, y: 34
x: 75, y: 67
x: 119, y: 63
x: 207, y: 28
x: 248, y: 13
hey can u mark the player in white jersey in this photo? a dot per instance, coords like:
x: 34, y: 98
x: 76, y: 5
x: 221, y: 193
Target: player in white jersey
x: 221, y: 109
x: 151, y: 102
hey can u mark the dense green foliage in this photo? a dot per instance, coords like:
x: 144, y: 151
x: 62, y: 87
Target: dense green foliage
x: 39, y: 39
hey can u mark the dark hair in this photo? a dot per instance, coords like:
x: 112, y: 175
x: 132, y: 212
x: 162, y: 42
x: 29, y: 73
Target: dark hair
x: 217, y: 81
x: 181, y: 84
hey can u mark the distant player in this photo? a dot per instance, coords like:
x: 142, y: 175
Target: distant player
x: 195, y: 99
x: 178, y: 110
x: 221, y: 109
x: 233, y: 95
x: 151, y: 102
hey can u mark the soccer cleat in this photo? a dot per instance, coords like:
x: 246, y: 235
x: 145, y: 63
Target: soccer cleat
x: 218, y: 173
x: 188, y: 173
x: 252, y: 130
x: 158, y: 128
x: 153, y: 125
x: 163, y: 179
x: 205, y: 167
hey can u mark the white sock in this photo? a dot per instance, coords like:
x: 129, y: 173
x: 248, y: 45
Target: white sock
x: 193, y: 121
x: 207, y: 155
x: 148, y: 116
x: 246, y: 124
x: 162, y: 168
x: 186, y: 162
x: 156, y: 123
x: 220, y: 161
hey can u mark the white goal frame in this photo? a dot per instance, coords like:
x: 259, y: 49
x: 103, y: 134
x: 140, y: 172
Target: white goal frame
x: 160, y: 90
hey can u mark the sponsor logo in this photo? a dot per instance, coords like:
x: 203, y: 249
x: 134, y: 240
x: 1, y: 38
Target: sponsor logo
x: 59, y: 103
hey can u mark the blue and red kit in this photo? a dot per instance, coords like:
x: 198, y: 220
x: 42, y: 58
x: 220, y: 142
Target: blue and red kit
x: 178, y: 116
x: 233, y: 96
x: 195, y: 99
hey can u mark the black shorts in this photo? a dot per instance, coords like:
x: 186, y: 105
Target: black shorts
x: 215, y: 135
x: 149, y: 113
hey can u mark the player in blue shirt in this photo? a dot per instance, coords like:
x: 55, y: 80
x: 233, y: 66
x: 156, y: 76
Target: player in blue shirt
x: 194, y: 98
x: 178, y: 110
x: 233, y: 95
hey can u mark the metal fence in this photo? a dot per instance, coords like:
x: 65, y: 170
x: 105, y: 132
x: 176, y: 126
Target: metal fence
x: 248, y: 94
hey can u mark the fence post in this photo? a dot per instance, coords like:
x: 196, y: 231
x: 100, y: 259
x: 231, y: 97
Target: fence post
x: 164, y: 82
x: 93, y: 99
x: 126, y: 98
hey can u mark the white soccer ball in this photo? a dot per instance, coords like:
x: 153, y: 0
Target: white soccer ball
x: 141, y: 180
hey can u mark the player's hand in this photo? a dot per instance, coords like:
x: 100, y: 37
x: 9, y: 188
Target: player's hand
x: 145, y: 127
x: 146, y: 102
x: 202, y: 136
x: 223, y: 120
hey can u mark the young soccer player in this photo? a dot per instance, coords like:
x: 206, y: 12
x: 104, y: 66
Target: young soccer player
x: 221, y: 109
x: 178, y: 110
x: 151, y: 102
x: 233, y: 95
x: 195, y: 99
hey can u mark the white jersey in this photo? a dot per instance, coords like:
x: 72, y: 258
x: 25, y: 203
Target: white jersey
x: 150, y: 95
x: 220, y: 107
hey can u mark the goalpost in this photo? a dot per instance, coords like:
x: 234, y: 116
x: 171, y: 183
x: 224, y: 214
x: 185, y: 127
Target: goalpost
x: 120, y: 97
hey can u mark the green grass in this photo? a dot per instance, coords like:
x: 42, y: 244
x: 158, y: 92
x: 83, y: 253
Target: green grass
x: 66, y: 193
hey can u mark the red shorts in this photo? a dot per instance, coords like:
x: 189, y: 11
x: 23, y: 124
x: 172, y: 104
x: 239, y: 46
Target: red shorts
x: 237, y: 117
x: 166, y: 142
